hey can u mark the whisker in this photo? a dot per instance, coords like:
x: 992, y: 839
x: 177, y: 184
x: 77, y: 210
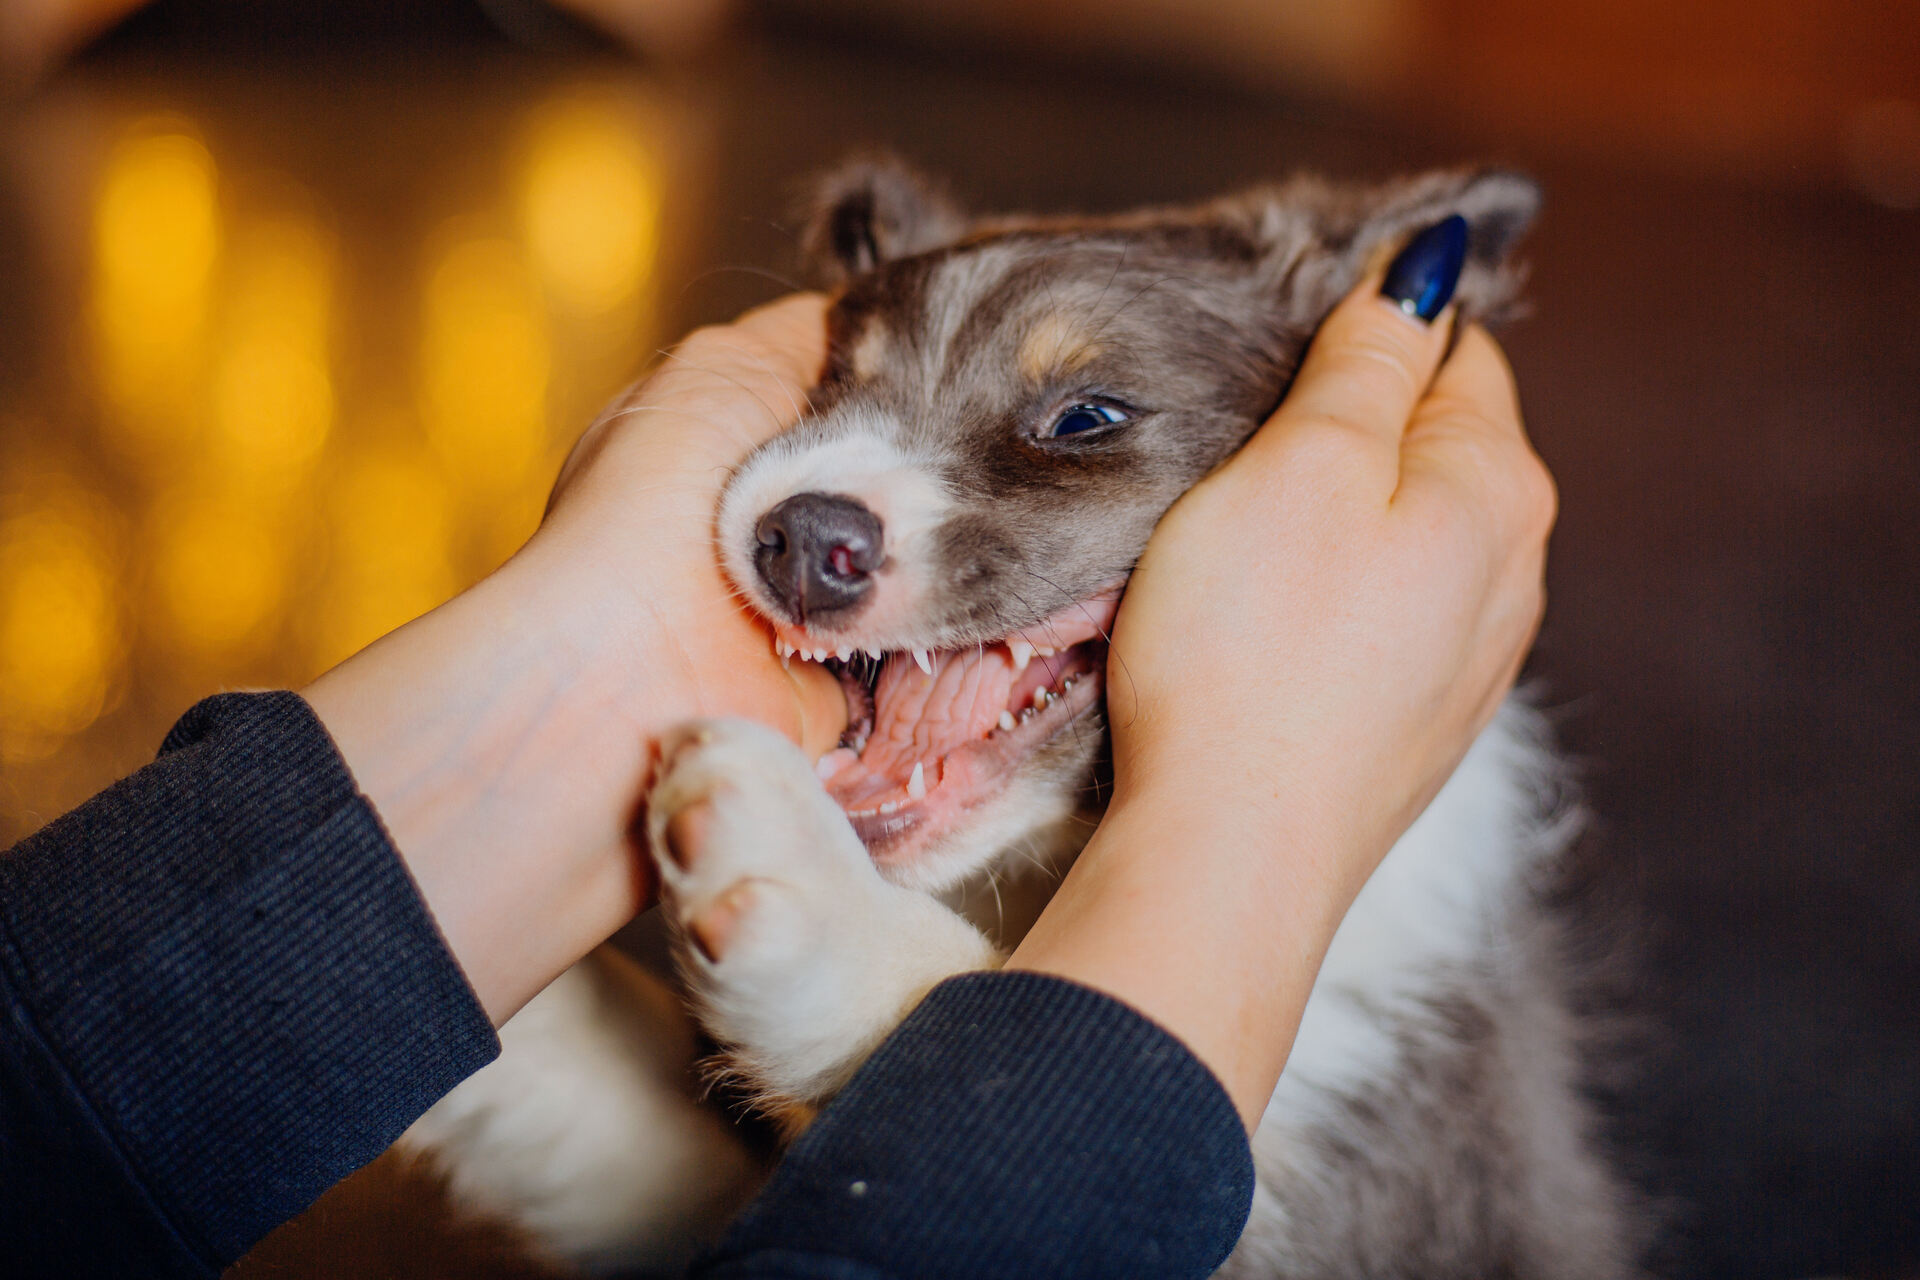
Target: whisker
x: 728, y: 378
x: 1119, y: 262
x: 767, y: 369
x: 785, y: 282
x: 1113, y: 654
x: 1121, y: 309
x: 999, y: 907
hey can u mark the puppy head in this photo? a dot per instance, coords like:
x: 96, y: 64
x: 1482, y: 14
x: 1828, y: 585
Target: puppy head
x: 1008, y: 407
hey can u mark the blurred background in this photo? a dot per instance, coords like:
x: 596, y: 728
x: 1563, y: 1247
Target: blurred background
x: 301, y: 303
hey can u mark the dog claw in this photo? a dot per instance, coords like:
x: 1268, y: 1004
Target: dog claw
x: 711, y: 930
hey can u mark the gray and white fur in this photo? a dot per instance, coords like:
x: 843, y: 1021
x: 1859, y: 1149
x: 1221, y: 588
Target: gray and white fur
x: 1431, y: 1120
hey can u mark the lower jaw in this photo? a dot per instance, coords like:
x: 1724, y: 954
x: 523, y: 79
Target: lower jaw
x: 975, y: 775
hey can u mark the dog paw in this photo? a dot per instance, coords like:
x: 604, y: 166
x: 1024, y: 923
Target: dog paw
x: 750, y: 848
x: 799, y: 955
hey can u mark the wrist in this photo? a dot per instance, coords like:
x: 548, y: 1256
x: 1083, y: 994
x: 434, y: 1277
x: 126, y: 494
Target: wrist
x: 498, y: 739
x: 1209, y: 912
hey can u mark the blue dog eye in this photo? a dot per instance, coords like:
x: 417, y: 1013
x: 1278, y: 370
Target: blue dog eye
x: 1086, y: 417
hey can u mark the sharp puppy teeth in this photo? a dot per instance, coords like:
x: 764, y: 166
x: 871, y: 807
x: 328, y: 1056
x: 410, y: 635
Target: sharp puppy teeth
x: 1041, y: 697
x: 874, y: 654
x: 843, y: 654
x: 1021, y: 652
x: 921, y: 660
x: 1006, y: 720
x: 1044, y: 651
x: 917, y: 784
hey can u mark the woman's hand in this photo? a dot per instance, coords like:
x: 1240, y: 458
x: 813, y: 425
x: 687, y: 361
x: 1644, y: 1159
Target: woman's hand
x: 506, y: 738
x: 1311, y: 642
x: 633, y: 510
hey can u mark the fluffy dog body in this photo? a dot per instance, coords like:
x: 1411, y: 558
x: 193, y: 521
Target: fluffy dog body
x: 1008, y: 408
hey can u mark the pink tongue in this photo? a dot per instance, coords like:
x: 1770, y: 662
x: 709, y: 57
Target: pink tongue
x: 919, y: 718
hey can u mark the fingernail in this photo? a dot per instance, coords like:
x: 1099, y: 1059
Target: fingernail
x: 1421, y: 280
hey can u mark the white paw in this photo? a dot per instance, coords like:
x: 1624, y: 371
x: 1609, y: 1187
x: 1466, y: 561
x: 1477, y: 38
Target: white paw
x: 802, y: 958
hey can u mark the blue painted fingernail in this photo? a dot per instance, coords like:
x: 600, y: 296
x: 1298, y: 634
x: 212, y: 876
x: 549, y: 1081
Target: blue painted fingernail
x: 1420, y: 281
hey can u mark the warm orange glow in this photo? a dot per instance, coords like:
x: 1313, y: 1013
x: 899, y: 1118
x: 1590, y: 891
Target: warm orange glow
x: 484, y: 365
x: 156, y: 244
x: 271, y: 398
x: 273, y: 442
x: 391, y: 530
x: 60, y: 640
x: 589, y: 202
x: 218, y: 571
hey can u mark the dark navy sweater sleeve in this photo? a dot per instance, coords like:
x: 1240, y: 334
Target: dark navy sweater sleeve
x: 220, y: 993
x: 1014, y: 1125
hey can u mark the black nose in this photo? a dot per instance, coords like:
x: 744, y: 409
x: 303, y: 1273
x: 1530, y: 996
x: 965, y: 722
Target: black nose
x: 817, y: 554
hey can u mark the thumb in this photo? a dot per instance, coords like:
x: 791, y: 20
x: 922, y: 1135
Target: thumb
x: 821, y: 705
x: 1376, y: 352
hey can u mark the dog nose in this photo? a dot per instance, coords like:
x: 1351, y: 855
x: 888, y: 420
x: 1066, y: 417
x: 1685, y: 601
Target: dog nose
x: 817, y: 554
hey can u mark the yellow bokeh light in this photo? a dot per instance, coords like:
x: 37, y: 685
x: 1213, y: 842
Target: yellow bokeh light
x: 392, y: 529
x: 218, y: 569
x: 484, y: 365
x: 156, y: 243
x: 272, y: 404
x: 60, y: 638
x: 589, y: 202
x: 271, y: 397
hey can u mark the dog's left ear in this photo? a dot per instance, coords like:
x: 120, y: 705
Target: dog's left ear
x: 871, y: 210
x: 1349, y: 229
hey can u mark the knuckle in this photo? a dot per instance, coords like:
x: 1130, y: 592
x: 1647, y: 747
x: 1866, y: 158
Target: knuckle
x: 1543, y: 495
x: 1376, y: 361
x: 1328, y: 445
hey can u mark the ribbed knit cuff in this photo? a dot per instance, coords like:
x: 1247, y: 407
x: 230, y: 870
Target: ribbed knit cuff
x: 1014, y: 1125
x: 225, y: 962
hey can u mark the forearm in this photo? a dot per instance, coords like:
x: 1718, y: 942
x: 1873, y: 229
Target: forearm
x: 976, y: 1142
x: 220, y: 994
x: 1210, y: 917
x: 506, y: 738
x: 497, y: 739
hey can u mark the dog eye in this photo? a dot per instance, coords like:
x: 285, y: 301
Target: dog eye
x: 1085, y: 417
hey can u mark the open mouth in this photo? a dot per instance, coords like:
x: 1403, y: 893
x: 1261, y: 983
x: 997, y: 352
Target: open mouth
x: 934, y: 733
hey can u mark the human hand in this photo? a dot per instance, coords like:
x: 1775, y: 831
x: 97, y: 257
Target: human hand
x: 1368, y: 577
x: 1312, y: 640
x: 507, y: 738
x: 632, y: 516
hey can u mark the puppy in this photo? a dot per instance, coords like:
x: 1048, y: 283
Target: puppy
x: 1008, y: 407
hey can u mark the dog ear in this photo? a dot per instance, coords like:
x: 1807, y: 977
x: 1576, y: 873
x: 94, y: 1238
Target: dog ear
x: 871, y: 210
x: 1325, y: 237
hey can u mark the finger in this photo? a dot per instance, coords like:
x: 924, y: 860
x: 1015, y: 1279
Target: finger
x: 821, y: 705
x: 1475, y: 377
x: 724, y: 390
x: 1368, y: 367
x: 794, y: 329
x: 771, y: 356
x: 1468, y: 441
